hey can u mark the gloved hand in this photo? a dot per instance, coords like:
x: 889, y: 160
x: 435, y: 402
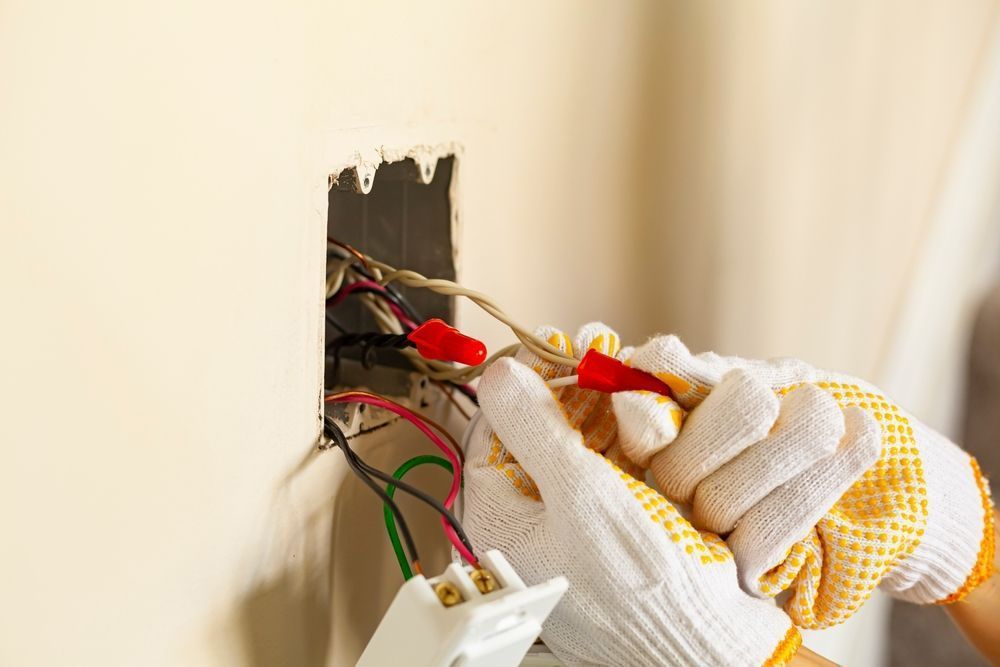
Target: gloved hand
x: 851, y: 494
x: 645, y: 587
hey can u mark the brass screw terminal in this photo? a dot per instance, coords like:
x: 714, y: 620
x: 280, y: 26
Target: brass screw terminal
x: 447, y: 593
x: 484, y: 580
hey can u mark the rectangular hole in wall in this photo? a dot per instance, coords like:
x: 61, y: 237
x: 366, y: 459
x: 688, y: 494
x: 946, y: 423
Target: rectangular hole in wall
x: 401, y: 220
x: 403, y: 217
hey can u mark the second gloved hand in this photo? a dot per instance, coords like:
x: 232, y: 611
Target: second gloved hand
x: 828, y: 487
x: 646, y: 588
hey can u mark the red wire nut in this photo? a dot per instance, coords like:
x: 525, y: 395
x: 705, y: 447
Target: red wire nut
x: 603, y: 373
x: 434, y: 339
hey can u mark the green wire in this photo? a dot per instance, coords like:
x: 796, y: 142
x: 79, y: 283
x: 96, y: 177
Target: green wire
x: 390, y: 520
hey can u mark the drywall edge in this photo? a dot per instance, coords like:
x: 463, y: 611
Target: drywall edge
x: 365, y: 163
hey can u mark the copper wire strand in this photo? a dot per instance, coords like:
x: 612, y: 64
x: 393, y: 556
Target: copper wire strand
x: 351, y: 249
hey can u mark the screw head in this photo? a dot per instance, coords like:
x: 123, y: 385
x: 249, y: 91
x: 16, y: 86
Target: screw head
x: 447, y: 593
x: 484, y: 580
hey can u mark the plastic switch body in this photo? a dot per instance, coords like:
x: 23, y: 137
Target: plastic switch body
x: 493, y: 629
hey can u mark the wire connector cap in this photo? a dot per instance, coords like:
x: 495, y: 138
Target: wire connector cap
x: 435, y: 339
x: 603, y: 373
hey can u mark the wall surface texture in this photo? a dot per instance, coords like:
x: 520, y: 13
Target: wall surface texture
x: 163, y: 174
x: 164, y: 171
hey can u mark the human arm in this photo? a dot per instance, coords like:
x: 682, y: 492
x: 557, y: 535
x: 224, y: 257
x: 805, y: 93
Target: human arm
x: 806, y: 658
x: 978, y: 616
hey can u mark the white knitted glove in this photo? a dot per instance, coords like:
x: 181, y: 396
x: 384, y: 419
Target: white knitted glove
x: 843, y: 492
x: 645, y: 587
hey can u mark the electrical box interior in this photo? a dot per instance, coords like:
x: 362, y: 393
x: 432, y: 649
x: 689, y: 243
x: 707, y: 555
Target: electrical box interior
x: 403, y: 216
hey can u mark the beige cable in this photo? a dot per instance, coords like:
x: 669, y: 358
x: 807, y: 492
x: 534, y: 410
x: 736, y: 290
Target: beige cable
x: 335, y: 278
x: 387, y: 321
x: 447, y: 287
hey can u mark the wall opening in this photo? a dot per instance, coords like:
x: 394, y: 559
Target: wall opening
x: 401, y: 215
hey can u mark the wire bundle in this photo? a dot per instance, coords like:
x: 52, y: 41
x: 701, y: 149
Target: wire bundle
x: 393, y: 315
x: 437, y: 435
x: 351, y: 272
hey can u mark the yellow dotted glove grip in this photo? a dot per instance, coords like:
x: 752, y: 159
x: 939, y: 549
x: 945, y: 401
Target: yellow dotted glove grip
x: 877, y: 522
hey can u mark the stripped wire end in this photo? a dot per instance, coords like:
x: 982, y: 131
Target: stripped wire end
x: 565, y: 381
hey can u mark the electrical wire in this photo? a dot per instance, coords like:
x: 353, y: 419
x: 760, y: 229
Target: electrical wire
x: 335, y: 276
x: 368, y: 342
x: 344, y: 246
x: 332, y: 321
x: 390, y: 490
x: 367, y: 397
x: 384, y: 318
x: 335, y: 434
x: 439, y: 370
x: 566, y: 381
x: 451, y: 399
x: 424, y: 424
x: 364, y: 272
x: 423, y: 497
x: 411, y: 278
x: 468, y: 391
x: 371, y: 287
x: 406, y: 305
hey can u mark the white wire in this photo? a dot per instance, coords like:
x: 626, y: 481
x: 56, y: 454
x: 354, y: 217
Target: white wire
x: 540, y: 347
x: 567, y: 381
x: 335, y: 278
x: 438, y: 370
x: 386, y: 320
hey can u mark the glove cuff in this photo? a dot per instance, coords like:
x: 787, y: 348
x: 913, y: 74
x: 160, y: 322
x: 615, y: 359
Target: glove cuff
x: 955, y: 553
x: 985, y: 565
x: 786, y: 648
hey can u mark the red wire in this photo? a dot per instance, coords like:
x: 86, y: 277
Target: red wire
x: 351, y: 287
x: 418, y: 421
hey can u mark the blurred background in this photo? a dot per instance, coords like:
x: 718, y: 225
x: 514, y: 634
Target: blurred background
x: 781, y: 178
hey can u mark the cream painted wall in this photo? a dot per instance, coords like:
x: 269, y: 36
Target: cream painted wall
x: 163, y: 172
x: 543, y: 97
x: 822, y: 182
x: 799, y: 154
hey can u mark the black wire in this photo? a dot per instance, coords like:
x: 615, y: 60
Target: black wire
x: 332, y: 321
x: 333, y: 432
x: 422, y: 496
x: 371, y: 339
x: 384, y: 294
x: 368, y: 342
x: 466, y: 391
x: 400, y: 300
x: 391, y: 294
